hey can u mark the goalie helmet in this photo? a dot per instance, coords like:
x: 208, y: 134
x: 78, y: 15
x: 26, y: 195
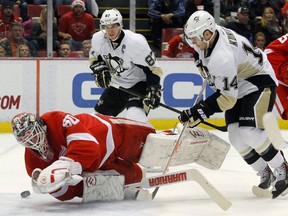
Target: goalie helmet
x: 198, y: 23
x: 30, y: 131
x: 109, y: 17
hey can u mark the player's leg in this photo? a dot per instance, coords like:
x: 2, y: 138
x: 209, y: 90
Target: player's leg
x: 111, y: 102
x: 134, y: 107
x: 244, y: 136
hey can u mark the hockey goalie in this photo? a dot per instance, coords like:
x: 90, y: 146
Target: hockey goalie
x: 95, y: 157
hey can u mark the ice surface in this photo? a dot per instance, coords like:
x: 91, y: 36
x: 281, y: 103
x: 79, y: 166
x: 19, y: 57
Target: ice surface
x: 234, y: 180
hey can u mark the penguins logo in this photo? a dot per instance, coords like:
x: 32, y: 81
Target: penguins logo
x: 115, y: 64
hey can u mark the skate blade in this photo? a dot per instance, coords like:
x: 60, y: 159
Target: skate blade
x: 261, y: 193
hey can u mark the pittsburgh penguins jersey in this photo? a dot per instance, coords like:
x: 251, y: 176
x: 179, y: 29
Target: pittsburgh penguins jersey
x: 127, y: 59
x: 234, y: 67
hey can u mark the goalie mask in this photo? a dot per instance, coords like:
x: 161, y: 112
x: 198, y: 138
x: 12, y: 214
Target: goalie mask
x: 30, y: 131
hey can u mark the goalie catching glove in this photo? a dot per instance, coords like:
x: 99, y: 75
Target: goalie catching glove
x: 101, y: 73
x: 152, y: 99
x: 53, y: 177
x: 196, y: 114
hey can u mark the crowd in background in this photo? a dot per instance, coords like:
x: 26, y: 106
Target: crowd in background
x: 72, y: 30
x: 261, y: 21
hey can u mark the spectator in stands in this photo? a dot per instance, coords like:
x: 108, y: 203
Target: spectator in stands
x: 177, y: 47
x: 23, y: 5
x: 2, y: 52
x: 7, y: 18
x: 38, y: 34
x: 64, y: 50
x: 16, y: 39
x: 284, y: 12
x: 228, y: 7
x: 242, y: 25
x: 86, y: 49
x: 23, y: 51
x: 165, y: 14
x: 257, y: 8
x: 192, y: 5
x: 76, y: 26
x: 269, y: 25
x: 260, y: 40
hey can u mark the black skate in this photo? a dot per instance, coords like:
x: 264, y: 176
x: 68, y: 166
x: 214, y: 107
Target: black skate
x: 266, y: 180
x: 282, y: 180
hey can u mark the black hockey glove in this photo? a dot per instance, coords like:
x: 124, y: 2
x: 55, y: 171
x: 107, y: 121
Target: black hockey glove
x: 152, y: 99
x: 199, y: 65
x: 101, y: 73
x: 196, y: 114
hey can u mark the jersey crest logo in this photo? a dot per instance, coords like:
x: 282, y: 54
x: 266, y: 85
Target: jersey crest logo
x: 115, y: 64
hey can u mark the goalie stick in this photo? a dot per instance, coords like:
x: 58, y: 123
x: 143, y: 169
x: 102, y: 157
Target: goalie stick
x: 178, y: 141
x: 273, y: 131
x: 184, y: 176
x: 221, y: 128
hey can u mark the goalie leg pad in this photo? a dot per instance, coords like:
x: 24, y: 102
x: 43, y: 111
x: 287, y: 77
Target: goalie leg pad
x: 213, y: 153
x: 198, y: 146
x: 103, y: 186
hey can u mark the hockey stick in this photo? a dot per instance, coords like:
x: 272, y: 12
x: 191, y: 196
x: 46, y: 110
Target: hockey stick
x: 272, y: 129
x: 184, y: 176
x: 179, y: 140
x: 221, y: 128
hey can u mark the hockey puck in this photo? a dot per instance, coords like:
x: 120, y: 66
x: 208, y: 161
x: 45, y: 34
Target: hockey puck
x: 25, y: 194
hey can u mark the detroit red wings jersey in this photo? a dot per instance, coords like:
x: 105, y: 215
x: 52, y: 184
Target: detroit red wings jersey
x: 277, y: 52
x: 96, y: 142
x: 133, y: 50
x: 176, y: 48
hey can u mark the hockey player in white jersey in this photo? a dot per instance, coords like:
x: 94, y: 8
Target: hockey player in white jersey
x: 125, y: 59
x: 244, y: 84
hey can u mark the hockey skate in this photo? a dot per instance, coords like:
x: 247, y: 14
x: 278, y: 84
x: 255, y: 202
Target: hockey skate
x: 282, y: 180
x: 267, y: 179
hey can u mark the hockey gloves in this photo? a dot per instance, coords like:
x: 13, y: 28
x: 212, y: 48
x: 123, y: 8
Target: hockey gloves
x: 64, y: 171
x: 202, y: 69
x: 196, y: 114
x: 101, y: 73
x: 152, y: 99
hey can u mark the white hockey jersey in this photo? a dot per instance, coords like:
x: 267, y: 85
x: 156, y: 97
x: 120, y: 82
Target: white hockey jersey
x: 234, y: 66
x: 133, y: 50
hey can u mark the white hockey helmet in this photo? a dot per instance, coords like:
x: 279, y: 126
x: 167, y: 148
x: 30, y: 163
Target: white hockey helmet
x: 198, y: 23
x: 30, y: 131
x: 109, y: 17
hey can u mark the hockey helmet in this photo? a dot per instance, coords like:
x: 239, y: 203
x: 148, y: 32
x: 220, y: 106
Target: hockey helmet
x: 198, y: 23
x: 109, y: 17
x: 30, y: 131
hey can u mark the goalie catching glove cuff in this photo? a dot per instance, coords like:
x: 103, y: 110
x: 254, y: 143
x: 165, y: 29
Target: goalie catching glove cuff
x: 196, y: 114
x: 152, y: 99
x: 101, y: 73
x: 53, y: 177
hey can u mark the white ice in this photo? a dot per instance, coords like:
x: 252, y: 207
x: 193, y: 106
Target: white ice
x: 234, y: 180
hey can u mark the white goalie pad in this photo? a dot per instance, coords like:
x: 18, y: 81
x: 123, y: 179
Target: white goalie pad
x: 198, y: 146
x: 103, y: 186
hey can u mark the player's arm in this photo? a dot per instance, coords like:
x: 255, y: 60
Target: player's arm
x: 217, y: 102
x: 153, y: 91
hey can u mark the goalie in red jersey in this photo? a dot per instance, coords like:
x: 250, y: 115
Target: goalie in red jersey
x: 60, y: 147
x: 277, y: 53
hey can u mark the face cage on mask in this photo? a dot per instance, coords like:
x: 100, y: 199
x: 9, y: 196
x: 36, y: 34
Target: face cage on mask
x: 37, y: 140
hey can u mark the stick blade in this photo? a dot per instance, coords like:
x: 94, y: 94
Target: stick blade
x: 273, y: 131
x: 214, y: 194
